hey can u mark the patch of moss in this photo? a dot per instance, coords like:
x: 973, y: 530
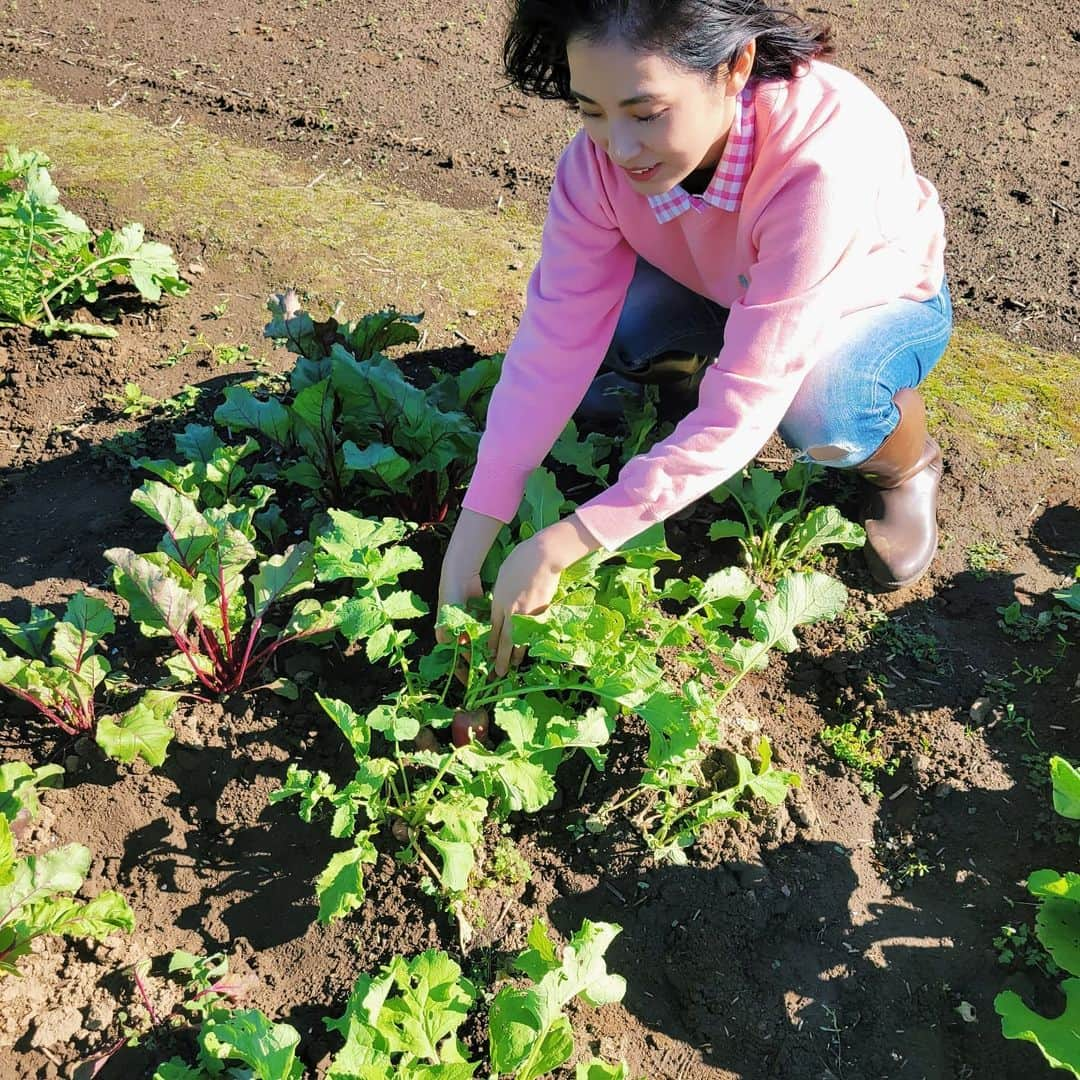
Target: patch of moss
x: 337, y: 237
x: 1005, y: 395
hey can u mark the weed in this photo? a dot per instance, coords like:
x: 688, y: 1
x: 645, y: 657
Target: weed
x: 983, y: 557
x: 857, y: 747
x: 1020, y: 945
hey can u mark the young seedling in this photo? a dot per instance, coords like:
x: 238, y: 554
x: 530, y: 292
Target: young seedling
x: 775, y: 539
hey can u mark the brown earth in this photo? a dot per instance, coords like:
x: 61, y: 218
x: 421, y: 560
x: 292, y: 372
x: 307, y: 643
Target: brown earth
x: 412, y: 94
x: 792, y: 945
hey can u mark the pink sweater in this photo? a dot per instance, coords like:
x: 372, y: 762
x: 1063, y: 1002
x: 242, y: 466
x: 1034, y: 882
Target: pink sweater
x: 833, y: 220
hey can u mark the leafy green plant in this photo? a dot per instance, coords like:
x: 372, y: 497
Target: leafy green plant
x: 404, y: 1022
x: 352, y: 429
x: 857, y: 748
x: 984, y: 556
x: 19, y: 789
x: 615, y: 630
x: 133, y: 402
x: 50, y: 260
x: 58, y: 669
x: 1057, y: 927
x: 207, y: 587
x: 225, y: 1033
x: 37, y: 891
x: 775, y: 538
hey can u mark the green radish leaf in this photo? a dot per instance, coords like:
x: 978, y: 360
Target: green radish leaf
x: 246, y: 1035
x: 340, y: 887
x: 600, y: 1070
x: 1066, y: 780
x: 1057, y: 1038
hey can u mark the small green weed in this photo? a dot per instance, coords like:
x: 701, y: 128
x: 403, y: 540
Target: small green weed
x: 1018, y: 945
x: 857, y: 747
x: 918, y: 645
x: 984, y: 557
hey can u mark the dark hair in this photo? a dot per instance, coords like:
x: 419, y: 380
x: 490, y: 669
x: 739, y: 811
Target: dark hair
x: 698, y: 35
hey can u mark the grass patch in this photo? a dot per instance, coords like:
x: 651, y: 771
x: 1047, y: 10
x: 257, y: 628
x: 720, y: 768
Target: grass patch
x: 336, y: 237
x: 1004, y: 395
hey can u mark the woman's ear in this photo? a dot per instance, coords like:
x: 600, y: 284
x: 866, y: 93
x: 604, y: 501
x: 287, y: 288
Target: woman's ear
x: 743, y: 66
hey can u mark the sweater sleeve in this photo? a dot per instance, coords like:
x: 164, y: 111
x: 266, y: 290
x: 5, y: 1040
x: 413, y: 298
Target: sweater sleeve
x: 574, y: 298
x: 810, y: 236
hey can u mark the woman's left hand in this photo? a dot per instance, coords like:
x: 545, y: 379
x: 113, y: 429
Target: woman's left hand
x: 528, y: 580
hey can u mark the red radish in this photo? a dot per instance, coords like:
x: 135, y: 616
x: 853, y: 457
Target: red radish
x: 469, y: 725
x: 426, y: 739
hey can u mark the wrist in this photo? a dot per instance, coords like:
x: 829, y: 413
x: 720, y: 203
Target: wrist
x: 564, y: 543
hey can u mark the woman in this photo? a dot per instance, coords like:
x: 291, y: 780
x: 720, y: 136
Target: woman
x: 731, y: 196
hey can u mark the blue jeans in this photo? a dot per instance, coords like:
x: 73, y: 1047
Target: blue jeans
x: 844, y: 409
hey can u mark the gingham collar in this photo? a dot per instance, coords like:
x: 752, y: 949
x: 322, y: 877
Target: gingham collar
x: 726, y: 187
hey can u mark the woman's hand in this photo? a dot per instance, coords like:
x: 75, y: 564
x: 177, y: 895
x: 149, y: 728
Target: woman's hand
x: 459, y: 581
x: 528, y: 580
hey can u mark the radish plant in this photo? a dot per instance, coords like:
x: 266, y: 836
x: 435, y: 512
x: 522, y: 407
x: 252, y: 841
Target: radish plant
x: 404, y: 1021
x: 50, y: 260
x: 775, y: 538
x: 58, y: 670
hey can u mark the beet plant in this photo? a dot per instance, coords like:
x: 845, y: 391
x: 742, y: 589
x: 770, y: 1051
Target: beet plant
x: 59, y: 669
x: 208, y: 588
x: 353, y: 430
x: 37, y: 891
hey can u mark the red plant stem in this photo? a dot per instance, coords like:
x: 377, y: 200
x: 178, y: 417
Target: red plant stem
x: 44, y: 710
x: 209, y: 643
x: 253, y: 633
x: 185, y: 647
x: 80, y: 656
x: 154, y: 1018
x: 224, y: 614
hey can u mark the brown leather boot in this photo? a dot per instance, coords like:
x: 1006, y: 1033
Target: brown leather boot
x: 901, y: 529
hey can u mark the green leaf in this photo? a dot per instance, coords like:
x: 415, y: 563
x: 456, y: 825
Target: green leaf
x: 721, y: 530
x: 30, y: 636
x: 1057, y: 1038
x: 353, y: 726
x: 281, y: 575
x: 247, y: 1035
x: 340, y: 887
x: 600, y: 1070
x: 139, y: 577
x: 1066, y: 780
x: 86, y: 621
x: 175, y: 1069
x: 800, y: 599
x: 19, y: 785
x: 105, y: 914
x: 824, y: 525
x: 143, y: 731
x: 242, y: 411
x: 380, y: 461
x: 543, y: 503
x: 586, y: 454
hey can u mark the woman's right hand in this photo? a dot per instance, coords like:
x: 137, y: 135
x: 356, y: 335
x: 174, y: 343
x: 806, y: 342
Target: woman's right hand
x: 469, y: 544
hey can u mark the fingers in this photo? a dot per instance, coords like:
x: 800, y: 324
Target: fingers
x: 505, y: 648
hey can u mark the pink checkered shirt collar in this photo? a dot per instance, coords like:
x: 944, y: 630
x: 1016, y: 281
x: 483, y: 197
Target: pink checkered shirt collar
x: 726, y: 187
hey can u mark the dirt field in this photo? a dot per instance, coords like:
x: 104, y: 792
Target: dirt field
x: 801, y: 944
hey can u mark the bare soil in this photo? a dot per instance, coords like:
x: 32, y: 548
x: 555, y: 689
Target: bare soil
x: 802, y: 944
x: 413, y: 94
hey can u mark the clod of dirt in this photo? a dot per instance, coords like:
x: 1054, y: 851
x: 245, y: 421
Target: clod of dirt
x: 58, y: 1026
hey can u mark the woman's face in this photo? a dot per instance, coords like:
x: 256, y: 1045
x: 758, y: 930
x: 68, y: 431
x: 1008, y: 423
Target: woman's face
x: 657, y: 121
